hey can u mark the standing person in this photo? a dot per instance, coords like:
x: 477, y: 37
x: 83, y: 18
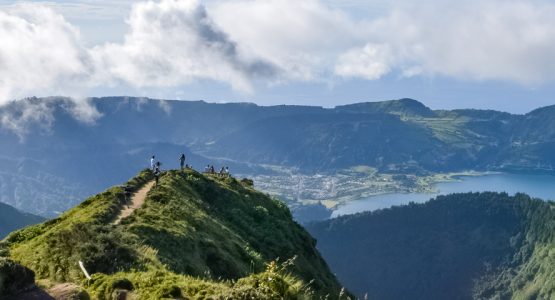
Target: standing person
x: 152, y: 163
x: 222, y: 172
x: 182, y: 161
x: 157, y: 172
x: 227, y: 171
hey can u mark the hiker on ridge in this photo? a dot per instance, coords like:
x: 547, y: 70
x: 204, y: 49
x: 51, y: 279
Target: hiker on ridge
x: 182, y: 161
x: 157, y: 172
x: 152, y: 164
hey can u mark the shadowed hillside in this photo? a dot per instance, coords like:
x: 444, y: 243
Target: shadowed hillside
x: 461, y: 246
x: 12, y: 219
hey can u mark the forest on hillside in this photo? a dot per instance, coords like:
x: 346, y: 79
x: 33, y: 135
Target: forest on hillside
x: 460, y: 246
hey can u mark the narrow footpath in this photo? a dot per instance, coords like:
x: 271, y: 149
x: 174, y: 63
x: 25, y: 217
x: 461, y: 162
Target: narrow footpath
x: 137, y: 201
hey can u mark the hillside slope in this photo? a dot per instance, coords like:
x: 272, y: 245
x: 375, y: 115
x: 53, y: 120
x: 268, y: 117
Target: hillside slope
x: 461, y: 246
x: 195, y: 236
x: 12, y: 219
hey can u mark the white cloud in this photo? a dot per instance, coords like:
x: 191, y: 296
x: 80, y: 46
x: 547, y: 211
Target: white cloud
x: 302, y: 37
x: 472, y: 40
x: 39, y: 53
x: 20, y: 115
x: 369, y: 62
x: 174, y: 42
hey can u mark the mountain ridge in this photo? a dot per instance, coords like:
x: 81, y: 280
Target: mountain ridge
x: 307, y: 140
x: 12, y: 219
x: 194, y: 235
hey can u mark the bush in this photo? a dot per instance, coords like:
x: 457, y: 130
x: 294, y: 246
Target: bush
x: 14, y: 277
x: 122, y: 284
x: 247, y: 182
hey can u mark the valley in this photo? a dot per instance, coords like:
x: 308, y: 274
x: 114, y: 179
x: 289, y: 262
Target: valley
x: 303, y: 191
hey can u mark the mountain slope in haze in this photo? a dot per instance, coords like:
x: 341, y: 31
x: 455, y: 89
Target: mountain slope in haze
x: 195, y: 236
x: 401, y: 107
x: 460, y: 246
x: 399, y: 136
x: 12, y: 219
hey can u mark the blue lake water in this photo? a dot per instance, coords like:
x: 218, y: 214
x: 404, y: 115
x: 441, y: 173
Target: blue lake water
x: 540, y: 186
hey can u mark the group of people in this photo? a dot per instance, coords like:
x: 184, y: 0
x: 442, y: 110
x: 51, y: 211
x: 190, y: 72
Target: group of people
x: 224, y: 171
x: 155, y: 168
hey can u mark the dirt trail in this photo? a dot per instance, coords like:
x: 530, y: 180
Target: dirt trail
x: 137, y: 201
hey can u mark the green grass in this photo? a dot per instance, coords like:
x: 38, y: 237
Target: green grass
x: 195, y: 236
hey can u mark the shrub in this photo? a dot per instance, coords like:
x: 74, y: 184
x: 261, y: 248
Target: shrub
x: 14, y: 277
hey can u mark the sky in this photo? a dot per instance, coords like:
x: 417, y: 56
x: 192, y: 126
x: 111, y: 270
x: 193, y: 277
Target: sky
x: 485, y: 54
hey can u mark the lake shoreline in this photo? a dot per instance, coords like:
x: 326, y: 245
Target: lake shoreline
x: 539, y: 186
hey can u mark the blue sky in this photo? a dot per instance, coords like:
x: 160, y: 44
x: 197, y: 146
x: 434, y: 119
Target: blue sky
x: 488, y: 54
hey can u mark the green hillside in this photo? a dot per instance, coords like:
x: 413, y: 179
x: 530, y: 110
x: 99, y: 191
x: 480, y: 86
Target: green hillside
x: 461, y: 246
x: 195, y: 236
x: 12, y: 219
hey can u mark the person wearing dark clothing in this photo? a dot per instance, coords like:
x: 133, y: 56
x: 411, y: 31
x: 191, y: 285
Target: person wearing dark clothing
x: 157, y: 173
x: 182, y: 161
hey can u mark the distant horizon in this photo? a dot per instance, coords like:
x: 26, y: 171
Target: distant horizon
x: 423, y: 102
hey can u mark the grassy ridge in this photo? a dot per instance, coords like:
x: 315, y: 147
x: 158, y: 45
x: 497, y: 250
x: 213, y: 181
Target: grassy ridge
x: 195, y: 236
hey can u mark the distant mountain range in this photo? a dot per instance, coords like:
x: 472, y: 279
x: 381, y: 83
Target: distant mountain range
x: 12, y: 219
x: 460, y: 246
x: 56, y: 160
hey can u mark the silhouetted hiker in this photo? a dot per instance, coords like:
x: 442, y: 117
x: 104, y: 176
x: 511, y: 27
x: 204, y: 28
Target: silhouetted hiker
x: 182, y: 161
x: 157, y: 172
x: 227, y: 171
x: 152, y: 164
x: 207, y: 169
x: 212, y: 170
x: 222, y: 172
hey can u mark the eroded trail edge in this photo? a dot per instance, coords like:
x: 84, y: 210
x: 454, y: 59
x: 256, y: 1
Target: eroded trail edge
x: 137, y: 201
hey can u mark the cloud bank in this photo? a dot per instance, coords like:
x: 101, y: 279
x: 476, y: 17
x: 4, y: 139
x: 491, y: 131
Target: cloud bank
x: 247, y: 43
x: 172, y: 43
x: 471, y: 40
x: 39, y: 53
